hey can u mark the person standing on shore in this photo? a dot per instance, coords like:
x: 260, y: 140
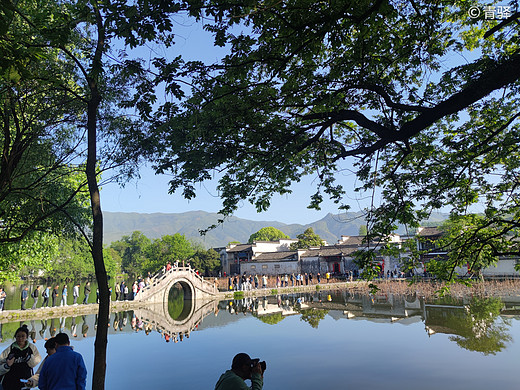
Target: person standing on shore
x: 64, y: 296
x: 86, y: 291
x: 122, y: 288
x: 55, y: 294
x: 35, y: 296
x: 134, y: 290
x: 45, y: 294
x: 75, y: 293
x: 117, y: 289
x: 3, y: 295
x: 25, y: 295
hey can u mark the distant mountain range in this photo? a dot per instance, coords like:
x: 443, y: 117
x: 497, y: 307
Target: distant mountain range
x: 156, y: 225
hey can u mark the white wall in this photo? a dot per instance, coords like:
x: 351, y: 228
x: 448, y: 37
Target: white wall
x: 504, y: 267
x: 269, y: 267
x: 274, y: 246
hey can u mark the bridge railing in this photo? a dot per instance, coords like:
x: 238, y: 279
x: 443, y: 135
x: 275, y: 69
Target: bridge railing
x: 162, y: 275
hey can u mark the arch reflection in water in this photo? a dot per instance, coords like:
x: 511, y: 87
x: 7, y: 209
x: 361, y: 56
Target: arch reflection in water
x: 480, y: 325
x: 180, y: 303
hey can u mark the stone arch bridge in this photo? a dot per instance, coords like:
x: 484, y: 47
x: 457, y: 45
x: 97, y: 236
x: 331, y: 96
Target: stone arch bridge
x: 193, y: 285
x: 157, y: 317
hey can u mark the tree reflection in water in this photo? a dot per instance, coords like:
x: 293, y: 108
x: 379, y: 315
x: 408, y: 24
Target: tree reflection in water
x: 313, y: 316
x: 475, y: 324
x: 482, y: 329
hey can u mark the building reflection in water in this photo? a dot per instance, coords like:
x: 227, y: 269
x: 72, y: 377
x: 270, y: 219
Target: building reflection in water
x: 475, y: 324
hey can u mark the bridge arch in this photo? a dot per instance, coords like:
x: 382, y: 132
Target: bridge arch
x: 193, y: 285
x: 179, y: 301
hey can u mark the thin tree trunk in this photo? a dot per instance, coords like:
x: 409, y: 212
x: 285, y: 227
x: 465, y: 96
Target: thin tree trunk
x: 100, y: 345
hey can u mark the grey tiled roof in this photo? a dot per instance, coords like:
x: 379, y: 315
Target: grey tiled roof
x: 277, y: 256
x: 240, y: 248
x: 430, y: 231
x: 353, y: 240
x: 336, y: 250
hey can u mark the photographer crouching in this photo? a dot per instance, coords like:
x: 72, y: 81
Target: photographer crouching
x: 242, y: 368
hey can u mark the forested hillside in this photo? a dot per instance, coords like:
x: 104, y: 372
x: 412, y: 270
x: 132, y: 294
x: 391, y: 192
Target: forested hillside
x: 156, y: 225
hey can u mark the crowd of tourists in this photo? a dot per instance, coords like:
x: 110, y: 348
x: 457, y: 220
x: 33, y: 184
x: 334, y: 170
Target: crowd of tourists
x: 56, y: 295
x: 62, y: 368
x: 247, y: 282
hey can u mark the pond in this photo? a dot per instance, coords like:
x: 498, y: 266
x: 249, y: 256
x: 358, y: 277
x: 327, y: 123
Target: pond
x: 329, y: 340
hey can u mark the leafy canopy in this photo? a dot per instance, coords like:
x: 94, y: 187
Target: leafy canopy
x: 267, y: 234
x: 140, y: 255
x: 42, y: 185
x: 307, y: 239
x: 414, y: 95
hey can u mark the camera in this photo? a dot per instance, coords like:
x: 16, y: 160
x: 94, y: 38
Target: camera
x: 254, y: 362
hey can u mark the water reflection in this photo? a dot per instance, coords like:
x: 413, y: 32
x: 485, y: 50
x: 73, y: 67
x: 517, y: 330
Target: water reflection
x: 179, y: 307
x: 474, y: 324
x: 477, y: 326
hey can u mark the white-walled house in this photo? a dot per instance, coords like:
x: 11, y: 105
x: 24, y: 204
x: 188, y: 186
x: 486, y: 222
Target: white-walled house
x: 505, y: 266
x: 276, y: 257
x: 240, y: 258
x: 272, y: 263
x: 334, y: 259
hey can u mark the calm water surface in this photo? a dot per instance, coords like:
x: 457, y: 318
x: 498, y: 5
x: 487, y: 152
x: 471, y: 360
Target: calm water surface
x: 336, y: 341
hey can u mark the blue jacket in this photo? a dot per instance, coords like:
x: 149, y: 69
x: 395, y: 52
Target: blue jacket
x: 64, y: 370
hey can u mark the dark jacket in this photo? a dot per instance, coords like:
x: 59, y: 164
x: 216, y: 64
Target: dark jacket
x: 65, y: 370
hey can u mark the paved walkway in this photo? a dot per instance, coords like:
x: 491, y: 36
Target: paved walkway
x: 117, y: 306
x: 64, y: 311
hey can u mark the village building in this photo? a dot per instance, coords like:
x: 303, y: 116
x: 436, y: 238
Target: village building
x: 430, y: 249
x: 427, y: 238
x: 239, y: 258
x: 339, y: 258
x: 272, y: 263
x: 336, y: 259
x: 277, y: 258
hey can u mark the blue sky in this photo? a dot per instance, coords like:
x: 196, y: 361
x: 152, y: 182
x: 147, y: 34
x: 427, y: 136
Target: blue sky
x: 149, y: 194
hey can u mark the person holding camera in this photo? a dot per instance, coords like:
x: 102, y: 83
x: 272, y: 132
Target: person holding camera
x: 242, y: 368
x: 18, y: 360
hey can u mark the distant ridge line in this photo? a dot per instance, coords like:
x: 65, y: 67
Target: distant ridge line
x: 155, y: 225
